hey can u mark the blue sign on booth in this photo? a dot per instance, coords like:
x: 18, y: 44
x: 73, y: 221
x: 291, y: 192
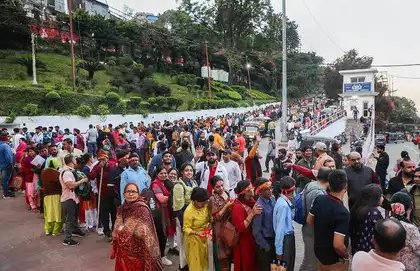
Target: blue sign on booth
x: 358, y: 87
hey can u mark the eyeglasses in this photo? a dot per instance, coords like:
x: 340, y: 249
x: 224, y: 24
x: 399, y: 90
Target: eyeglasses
x: 416, y: 176
x: 131, y: 192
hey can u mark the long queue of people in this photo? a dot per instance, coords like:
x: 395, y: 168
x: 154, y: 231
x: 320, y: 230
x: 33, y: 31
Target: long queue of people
x: 211, y: 204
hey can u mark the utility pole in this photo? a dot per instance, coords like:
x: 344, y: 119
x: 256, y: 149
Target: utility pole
x: 248, y: 67
x: 283, y: 124
x: 34, y: 81
x: 208, y: 71
x: 73, y: 69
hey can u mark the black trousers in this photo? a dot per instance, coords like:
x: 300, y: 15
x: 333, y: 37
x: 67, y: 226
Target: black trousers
x: 107, y: 208
x: 267, y: 161
x: 161, y: 236
x: 382, y: 178
x: 265, y: 258
x: 289, y: 251
x: 71, y: 213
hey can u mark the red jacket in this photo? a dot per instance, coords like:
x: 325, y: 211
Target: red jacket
x: 95, y: 174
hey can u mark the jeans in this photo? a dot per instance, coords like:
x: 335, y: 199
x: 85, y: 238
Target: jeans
x: 6, y: 174
x: 92, y: 148
x: 309, y: 259
x: 71, y: 213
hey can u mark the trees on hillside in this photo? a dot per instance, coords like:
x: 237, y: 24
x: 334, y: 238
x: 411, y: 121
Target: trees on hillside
x: 14, y: 25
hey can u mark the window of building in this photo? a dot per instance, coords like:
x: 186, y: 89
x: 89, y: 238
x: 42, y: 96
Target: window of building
x: 365, y: 109
x: 357, y: 79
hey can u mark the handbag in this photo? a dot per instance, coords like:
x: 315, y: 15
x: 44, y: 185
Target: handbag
x: 228, y: 234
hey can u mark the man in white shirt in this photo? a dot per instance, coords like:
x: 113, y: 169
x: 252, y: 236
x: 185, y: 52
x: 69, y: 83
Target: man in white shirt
x: 388, y: 239
x: 133, y: 137
x: 38, y: 137
x: 233, y: 170
x: 68, y: 148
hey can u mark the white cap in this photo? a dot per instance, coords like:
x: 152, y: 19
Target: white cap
x: 320, y: 146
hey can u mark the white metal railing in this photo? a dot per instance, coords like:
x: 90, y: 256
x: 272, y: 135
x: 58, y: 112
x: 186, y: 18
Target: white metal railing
x: 323, y: 123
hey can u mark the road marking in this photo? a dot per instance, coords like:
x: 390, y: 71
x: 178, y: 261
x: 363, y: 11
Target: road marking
x: 413, y: 149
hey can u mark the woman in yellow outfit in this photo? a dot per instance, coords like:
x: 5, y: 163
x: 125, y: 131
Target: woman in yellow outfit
x: 196, y: 223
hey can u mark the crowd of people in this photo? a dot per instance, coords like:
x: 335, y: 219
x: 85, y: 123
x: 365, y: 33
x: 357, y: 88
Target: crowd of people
x: 194, y: 189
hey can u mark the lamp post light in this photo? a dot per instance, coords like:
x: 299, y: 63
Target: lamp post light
x: 248, y: 67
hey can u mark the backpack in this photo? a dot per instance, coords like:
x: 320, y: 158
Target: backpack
x: 151, y: 201
x: 299, y: 137
x: 299, y: 203
x: 83, y: 190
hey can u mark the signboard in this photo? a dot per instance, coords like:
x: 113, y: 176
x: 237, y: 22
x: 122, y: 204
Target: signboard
x: 357, y: 87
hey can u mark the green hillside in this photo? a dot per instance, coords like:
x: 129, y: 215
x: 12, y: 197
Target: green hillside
x: 120, y: 86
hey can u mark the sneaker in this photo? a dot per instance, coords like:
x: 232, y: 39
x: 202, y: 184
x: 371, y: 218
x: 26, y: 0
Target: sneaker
x: 70, y: 242
x: 56, y: 234
x: 100, y: 231
x: 7, y: 197
x: 48, y: 233
x: 166, y: 261
x: 266, y: 171
x: 82, y: 225
x: 78, y: 233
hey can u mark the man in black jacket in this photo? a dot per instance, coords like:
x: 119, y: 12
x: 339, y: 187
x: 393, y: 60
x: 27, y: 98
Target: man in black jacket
x: 382, y: 165
x: 185, y: 156
x: 399, y: 182
x: 279, y: 170
x: 115, y: 176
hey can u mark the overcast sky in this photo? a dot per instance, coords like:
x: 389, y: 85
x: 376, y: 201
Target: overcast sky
x: 384, y: 29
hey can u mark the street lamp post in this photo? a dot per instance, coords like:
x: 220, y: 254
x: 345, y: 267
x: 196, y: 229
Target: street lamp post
x: 34, y: 81
x: 248, y: 67
x: 284, y: 73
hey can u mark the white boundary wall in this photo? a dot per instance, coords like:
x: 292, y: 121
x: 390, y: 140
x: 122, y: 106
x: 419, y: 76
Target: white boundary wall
x: 83, y: 123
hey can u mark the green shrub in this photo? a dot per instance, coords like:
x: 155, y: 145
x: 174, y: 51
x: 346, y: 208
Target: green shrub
x: 31, y: 109
x: 190, y: 104
x: 112, y: 98
x: 126, y: 60
x: 134, y: 102
x: 160, y: 101
x: 83, y: 111
x: 234, y: 95
x: 11, y: 117
x: 152, y: 101
x: 103, y: 110
x: 121, y: 107
x: 52, y: 96
x: 186, y: 79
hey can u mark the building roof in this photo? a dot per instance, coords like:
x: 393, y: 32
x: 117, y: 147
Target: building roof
x: 359, y: 71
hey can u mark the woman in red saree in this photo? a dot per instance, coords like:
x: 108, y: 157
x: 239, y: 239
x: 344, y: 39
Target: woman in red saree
x: 243, y: 212
x: 135, y: 242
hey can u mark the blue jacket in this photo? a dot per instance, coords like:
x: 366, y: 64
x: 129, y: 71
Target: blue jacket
x: 6, y: 155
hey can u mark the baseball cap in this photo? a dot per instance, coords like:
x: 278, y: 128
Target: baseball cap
x: 227, y: 151
x: 320, y: 146
x: 211, y: 151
